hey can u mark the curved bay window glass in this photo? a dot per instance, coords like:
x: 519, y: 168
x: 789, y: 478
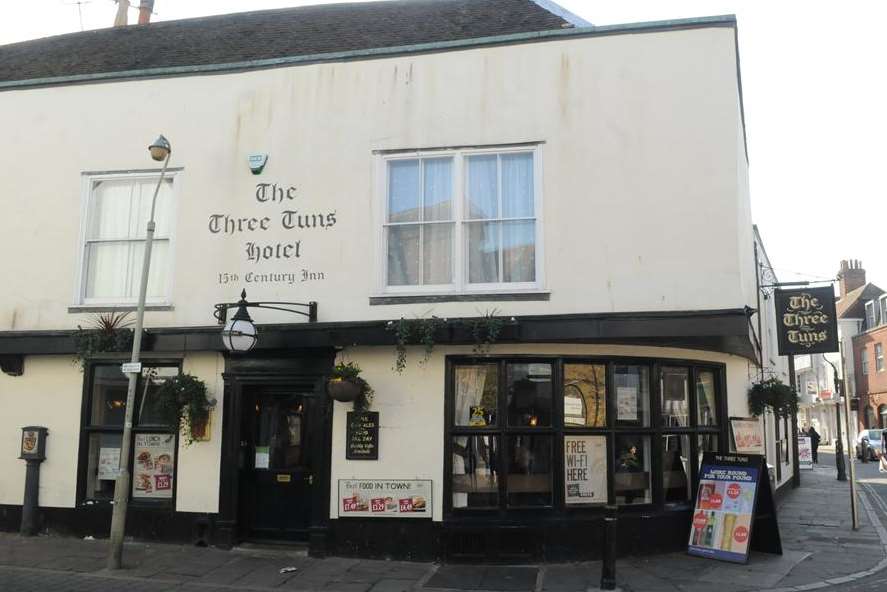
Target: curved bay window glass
x: 562, y: 434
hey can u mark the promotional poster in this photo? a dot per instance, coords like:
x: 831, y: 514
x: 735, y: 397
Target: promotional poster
x: 153, y: 471
x: 805, y: 453
x: 385, y: 498
x: 722, y: 518
x: 747, y: 435
x: 585, y: 469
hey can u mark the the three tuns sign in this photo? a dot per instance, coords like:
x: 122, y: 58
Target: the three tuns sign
x: 807, y: 321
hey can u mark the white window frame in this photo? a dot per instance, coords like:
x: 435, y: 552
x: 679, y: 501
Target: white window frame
x: 879, y: 357
x: 864, y: 360
x: 88, y: 181
x: 871, y: 320
x: 883, y: 301
x: 459, y: 259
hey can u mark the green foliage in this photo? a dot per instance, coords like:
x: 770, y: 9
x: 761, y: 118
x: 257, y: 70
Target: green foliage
x: 350, y: 371
x: 419, y: 331
x: 773, y: 393
x: 106, y: 332
x: 183, y: 399
x: 485, y: 330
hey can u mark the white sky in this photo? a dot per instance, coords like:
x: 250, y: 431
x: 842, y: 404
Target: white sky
x: 815, y: 88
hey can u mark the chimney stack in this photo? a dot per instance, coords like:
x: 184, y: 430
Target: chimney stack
x: 145, y: 9
x: 121, y: 20
x: 851, y: 276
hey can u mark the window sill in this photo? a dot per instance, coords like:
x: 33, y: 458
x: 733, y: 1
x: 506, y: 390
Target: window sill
x: 389, y: 299
x: 79, y: 308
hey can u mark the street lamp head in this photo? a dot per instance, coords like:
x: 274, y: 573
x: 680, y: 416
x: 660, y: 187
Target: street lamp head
x: 160, y: 149
x: 239, y: 333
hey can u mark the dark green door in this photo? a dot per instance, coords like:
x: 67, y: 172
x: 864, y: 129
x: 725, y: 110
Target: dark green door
x: 276, y: 473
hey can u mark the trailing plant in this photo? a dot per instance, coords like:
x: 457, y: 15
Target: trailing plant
x: 183, y: 399
x: 106, y: 332
x: 419, y: 331
x: 485, y: 330
x: 774, y: 394
x: 350, y: 372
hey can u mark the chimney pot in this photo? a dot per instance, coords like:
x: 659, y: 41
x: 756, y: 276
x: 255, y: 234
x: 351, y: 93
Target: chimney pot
x: 851, y: 276
x: 145, y: 9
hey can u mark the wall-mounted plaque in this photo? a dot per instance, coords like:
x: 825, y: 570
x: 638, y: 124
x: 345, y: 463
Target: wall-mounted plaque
x: 362, y: 435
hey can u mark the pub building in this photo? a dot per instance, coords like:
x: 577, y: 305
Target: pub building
x: 551, y: 218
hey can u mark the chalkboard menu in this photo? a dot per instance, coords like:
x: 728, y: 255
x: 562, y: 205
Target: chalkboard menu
x: 362, y: 435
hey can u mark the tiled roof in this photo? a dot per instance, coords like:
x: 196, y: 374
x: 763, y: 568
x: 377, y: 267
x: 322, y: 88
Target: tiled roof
x: 269, y: 34
x: 851, y: 305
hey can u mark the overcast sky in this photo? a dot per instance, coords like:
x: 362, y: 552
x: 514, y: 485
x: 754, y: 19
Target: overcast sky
x: 815, y: 88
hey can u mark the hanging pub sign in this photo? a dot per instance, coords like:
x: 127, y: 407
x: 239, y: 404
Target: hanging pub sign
x: 806, y: 321
x: 734, y: 509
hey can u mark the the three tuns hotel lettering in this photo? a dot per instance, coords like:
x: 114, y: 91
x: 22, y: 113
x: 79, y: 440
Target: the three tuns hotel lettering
x: 806, y: 320
x: 280, y: 211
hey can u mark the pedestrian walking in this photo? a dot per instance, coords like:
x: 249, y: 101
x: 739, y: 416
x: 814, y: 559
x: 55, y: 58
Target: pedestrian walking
x: 882, y: 463
x: 814, y: 443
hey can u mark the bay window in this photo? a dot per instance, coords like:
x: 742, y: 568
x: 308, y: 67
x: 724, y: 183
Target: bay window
x: 460, y: 221
x: 560, y: 434
x: 117, y: 208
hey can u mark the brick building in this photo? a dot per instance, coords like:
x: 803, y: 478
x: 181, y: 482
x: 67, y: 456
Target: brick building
x: 870, y: 369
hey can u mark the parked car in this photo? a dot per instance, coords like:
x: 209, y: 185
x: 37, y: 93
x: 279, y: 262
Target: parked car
x: 869, y: 441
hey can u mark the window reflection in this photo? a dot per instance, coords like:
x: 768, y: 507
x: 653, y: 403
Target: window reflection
x: 529, y: 394
x: 632, y: 395
x: 529, y: 470
x: 676, y: 468
x: 475, y: 475
x: 706, y: 409
x: 707, y: 443
x: 675, y: 397
x: 632, y: 474
x: 585, y: 395
x: 477, y: 390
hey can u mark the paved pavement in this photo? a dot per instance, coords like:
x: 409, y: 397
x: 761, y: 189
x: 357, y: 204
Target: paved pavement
x: 821, y: 551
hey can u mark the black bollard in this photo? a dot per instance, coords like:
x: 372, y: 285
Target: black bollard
x: 608, y: 567
x: 34, y: 452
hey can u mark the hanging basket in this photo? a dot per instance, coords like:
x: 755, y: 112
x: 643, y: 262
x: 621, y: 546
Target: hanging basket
x: 343, y: 390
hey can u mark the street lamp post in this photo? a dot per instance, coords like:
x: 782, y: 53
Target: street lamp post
x: 160, y: 150
x: 839, y: 390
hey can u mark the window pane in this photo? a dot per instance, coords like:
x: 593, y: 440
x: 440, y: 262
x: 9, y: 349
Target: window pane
x: 483, y: 253
x: 529, y: 470
x: 706, y: 409
x: 482, y: 193
x: 403, y: 255
x: 110, y: 210
x: 632, y: 395
x: 437, y: 254
x: 404, y: 192
x: 517, y: 185
x: 706, y: 443
x: 676, y: 468
x: 109, y: 386
x: 150, y: 411
x: 631, y: 477
x: 438, y: 188
x: 529, y: 394
x: 519, y: 252
x: 102, y: 462
x: 675, y: 397
x: 477, y: 389
x: 585, y: 395
x: 107, y: 270
x: 158, y: 273
x: 475, y: 472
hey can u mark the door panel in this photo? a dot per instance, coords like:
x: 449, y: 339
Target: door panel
x: 276, y: 471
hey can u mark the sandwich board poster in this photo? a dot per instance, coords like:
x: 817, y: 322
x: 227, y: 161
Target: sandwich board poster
x: 734, y: 509
x: 805, y: 453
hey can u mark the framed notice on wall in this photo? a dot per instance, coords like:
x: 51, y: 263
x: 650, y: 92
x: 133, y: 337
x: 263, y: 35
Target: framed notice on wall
x: 748, y: 438
x: 734, y: 509
x: 153, y: 466
x: 585, y: 469
x: 362, y: 435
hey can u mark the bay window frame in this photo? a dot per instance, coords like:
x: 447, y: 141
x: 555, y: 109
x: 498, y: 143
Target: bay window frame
x: 459, y: 254
x: 558, y: 430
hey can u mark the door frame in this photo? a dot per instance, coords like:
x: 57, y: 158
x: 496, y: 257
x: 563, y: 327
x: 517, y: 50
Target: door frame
x: 305, y: 370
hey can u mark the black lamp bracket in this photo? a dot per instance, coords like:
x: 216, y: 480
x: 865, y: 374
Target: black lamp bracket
x: 221, y: 310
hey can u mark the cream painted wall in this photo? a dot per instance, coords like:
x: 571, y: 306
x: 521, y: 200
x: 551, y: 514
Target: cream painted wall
x: 48, y: 394
x: 642, y: 175
x: 199, y: 463
x: 411, y: 407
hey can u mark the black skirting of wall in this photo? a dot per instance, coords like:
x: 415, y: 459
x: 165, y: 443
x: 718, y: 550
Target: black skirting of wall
x: 144, y: 523
x: 506, y: 542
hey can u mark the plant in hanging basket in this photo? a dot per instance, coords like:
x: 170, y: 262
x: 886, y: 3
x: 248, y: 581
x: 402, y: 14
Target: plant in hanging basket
x: 346, y: 386
x: 774, y: 394
x: 106, y: 332
x: 183, y: 399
